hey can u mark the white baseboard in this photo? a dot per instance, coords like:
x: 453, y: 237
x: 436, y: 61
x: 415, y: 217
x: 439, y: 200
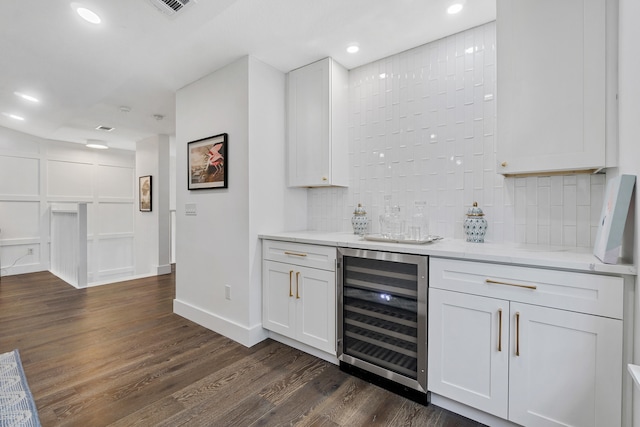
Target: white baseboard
x: 23, y: 269
x: 119, y: 279
x: 469, y: 412
x: 247, y: 336
x: 331, y: 358
x: 163, y: 269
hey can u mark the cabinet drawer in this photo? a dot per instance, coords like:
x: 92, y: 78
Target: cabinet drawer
x: 581, y: 292
x: 322, y: 257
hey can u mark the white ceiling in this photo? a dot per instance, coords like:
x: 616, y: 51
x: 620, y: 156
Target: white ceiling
x: 138, y: 57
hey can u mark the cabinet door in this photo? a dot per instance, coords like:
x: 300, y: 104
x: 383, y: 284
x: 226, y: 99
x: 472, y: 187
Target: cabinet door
x: 469, y: 349
x: 565, y: 368
x: 315, y: 296
x: 278, y: 287
x: 551, y: 85
x: 308, y: 125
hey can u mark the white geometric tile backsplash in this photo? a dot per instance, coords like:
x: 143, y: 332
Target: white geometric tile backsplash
x: 422, y: 127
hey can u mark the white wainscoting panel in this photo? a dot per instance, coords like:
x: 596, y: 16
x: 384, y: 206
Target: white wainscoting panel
x: 69, y: 179
x: 115, y: 218
x: 116, y: 256
x: 20, y: 176
x: 19, y: 220
x: 15, y: 257
x: 115, y: 182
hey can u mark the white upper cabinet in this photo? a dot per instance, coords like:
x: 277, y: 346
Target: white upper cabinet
x: 317, y: 125
x: 552, y: 86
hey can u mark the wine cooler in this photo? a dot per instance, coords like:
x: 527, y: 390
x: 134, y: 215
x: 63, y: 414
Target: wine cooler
x: 382, y: 319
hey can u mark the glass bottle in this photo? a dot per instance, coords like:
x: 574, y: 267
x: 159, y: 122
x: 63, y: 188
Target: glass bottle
x: 396, y: 228
x: 419, y: 228
x: 385, y: 218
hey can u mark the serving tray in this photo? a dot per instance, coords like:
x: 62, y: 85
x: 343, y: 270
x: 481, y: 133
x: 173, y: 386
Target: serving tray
x: 381, y: 238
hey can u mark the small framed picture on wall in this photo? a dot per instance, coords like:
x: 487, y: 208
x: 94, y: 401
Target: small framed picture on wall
x: 144, y: 183
x: 208, y: 163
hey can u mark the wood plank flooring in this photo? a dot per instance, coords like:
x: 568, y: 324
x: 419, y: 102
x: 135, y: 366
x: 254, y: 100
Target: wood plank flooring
x: 116, y: 355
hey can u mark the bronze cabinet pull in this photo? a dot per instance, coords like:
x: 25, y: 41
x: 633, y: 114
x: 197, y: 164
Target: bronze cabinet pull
x: 295, y: 254
x: 495, y: 282
x: 500, y: 329
x: 290, y: 279
x: 517, y: 333
x: 297, y: 284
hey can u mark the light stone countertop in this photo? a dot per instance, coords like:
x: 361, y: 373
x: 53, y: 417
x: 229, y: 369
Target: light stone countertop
x: 556, y: 257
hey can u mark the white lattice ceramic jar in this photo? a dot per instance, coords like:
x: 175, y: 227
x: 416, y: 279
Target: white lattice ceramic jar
x: 475, y: 225
x: 360, y: 221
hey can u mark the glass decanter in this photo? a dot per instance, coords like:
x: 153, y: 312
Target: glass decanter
x: 419, y: 228
x: 385, y: 218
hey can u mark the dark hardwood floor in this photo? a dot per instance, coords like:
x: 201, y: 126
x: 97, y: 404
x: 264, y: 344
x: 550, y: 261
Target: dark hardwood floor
x: 116, y: 355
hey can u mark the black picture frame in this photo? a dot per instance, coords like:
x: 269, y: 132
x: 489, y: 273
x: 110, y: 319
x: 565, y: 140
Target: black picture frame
x: 208, y: 163
x: 144, y: 193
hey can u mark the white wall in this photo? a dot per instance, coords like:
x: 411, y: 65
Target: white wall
x: 422, y: 127
x: 172, y: 195
x: 219, y: 246
x: 34, y: 173
x: 210, y: 247
x: 629, y: 131
x: 153, y: 229
x: 272, y: 206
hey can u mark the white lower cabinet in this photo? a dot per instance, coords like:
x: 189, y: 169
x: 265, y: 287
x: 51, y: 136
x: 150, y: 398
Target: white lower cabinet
x: 530, y: 364
x: 565, y: 368
x: 299, y: 302
x: 469, y: 350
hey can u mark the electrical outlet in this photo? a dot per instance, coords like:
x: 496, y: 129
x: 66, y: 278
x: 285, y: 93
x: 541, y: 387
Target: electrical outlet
x: 227, y: 292
x: 30, y: 251
x: 190, y: 209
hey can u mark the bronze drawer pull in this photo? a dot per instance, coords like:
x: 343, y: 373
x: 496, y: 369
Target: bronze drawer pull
x: 495, y: 282
x: 294, y: 253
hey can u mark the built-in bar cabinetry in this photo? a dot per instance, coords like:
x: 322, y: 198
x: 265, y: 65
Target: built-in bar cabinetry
x: 299, y: 293
x: 516, y: 335
x: 317, y: 125
x: 556, y: 108
x: 535, y: 346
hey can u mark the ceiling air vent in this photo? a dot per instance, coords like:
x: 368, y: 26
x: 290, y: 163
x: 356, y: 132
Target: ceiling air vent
x: 104, y: 128
x: 170, y: 7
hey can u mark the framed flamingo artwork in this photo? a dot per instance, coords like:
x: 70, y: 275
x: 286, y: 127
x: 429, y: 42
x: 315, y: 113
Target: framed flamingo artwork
x: 208, y: 163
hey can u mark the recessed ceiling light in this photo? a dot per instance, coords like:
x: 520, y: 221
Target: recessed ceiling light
x: 13, y: 116
x: 88, y: 15
x: 353, y: 48
x: 94, y: 143
x: 454, y: 8
x: 27, y: 97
